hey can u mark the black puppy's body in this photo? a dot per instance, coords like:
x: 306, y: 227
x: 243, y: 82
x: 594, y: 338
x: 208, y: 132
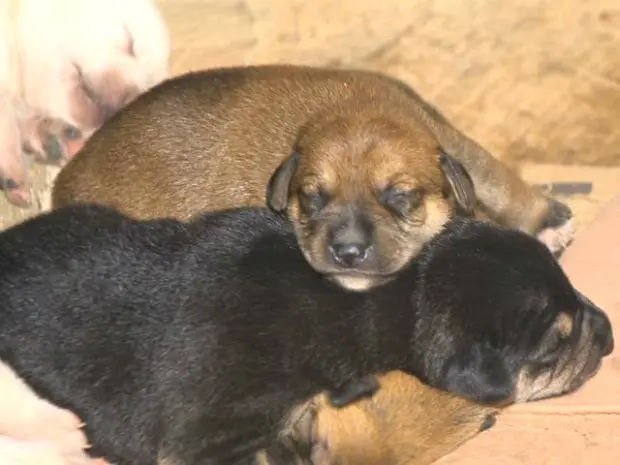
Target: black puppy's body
x: 125, y: 322
x: 191, y: 344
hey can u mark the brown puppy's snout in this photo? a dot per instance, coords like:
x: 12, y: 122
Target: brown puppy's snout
x: 350, y: 241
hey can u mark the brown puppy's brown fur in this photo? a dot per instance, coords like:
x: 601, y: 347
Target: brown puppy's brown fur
x: 358, y: 157
x: 404, y: 423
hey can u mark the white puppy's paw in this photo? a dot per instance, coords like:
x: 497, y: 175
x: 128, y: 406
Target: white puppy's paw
x: 26, y: 416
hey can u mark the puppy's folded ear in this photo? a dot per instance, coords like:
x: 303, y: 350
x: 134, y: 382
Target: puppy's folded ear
x: 460, y: 182
x: 481, y: 375
x: 278, y: 186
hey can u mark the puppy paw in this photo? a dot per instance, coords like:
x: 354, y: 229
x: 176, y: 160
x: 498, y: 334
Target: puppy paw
x: 14, y: 173
x: 50, y: 141
x: 46, y: 422
x: 557, y: 228
x: 18, y: 194
x: 26, y: 416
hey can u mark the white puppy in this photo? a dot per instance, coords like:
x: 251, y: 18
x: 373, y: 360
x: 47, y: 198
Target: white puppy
x: 66, y: 66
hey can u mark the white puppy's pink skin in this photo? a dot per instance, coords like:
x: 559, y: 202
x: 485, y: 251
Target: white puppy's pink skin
x: 65, y: 67
x: 13, y: 170
x: 33, y: 431
x: 45, y: 139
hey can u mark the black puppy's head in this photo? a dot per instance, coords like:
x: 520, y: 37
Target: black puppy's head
x: 501, y: 322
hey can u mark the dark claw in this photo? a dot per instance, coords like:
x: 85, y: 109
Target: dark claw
x: 488, y: 422
x: 7, y: 184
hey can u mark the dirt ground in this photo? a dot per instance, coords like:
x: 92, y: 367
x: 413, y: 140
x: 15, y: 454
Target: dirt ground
x: 535, y: 81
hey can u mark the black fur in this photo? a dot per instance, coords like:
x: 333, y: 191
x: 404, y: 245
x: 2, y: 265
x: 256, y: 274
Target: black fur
x: 194, y: 341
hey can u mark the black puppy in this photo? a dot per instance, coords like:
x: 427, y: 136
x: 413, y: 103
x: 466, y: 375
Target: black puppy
x: 192, y: 344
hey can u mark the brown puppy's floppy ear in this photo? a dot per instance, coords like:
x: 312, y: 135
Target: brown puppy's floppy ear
x: 278, y: 185
x: 482, y: 375
x: 460, y: 182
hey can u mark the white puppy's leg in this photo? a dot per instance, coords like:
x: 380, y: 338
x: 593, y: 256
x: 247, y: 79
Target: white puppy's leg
x: 13, y: 168
x: 50, y: 141
x: 24, y: 415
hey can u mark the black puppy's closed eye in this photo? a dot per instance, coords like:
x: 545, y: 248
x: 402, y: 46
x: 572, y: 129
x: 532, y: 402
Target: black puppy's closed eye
x: 353, y: 391
x: 401, y: 201
x: 481, y: 375
x: 313, y: 201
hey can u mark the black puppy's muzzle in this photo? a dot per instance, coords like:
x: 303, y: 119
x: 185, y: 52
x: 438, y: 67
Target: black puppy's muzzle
x: 602, y: 332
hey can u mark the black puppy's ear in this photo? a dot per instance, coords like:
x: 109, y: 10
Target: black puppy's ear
x: 481, y: 375
x: 460, y: 182
x: 278, y: 185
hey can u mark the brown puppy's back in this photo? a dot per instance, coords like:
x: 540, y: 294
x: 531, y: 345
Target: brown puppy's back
x: 179, y: 137
x: 211, y: 140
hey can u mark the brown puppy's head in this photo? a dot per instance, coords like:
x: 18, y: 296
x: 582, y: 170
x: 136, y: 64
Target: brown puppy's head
x: 405, y: 422
x: 365, y: 194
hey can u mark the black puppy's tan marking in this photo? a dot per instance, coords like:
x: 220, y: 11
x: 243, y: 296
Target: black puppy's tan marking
x: 195, y: 343
x: 364, y: 167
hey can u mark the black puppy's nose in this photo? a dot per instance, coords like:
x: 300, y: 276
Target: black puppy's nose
x: 603, y: 334
x: 600, y: 325
x: 350, y: 254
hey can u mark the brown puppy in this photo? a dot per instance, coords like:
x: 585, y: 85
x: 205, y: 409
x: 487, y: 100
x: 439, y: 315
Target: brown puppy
x: 366, y: 170
x: 404, y: 423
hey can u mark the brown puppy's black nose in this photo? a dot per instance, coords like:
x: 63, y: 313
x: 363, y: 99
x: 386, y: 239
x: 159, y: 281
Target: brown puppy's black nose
x: 349, y: 255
